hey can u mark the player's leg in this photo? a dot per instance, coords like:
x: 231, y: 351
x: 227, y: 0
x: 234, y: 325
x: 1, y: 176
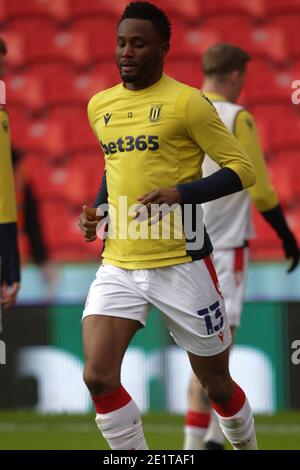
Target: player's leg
x: 214, y: 438
x: 195, y: 314
x: 201, y: 430
x: 105, y: 340
x: 227, y: 399
x: 201, y: 425
x: 107, y: 333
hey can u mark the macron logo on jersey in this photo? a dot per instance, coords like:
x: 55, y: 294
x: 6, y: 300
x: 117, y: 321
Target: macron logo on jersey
x: 107, y: 117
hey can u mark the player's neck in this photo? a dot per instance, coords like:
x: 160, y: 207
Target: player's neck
x: 216, y: 89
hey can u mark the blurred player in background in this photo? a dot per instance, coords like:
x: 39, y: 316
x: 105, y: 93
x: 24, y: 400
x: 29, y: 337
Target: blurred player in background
x: 30, y: 225
x: 228, y: 220
x: 155, y: 132
x: 9, y: 254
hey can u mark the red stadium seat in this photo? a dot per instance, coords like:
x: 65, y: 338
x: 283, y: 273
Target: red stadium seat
x: 188, y: 11
x: 3, y: 12
x: 62, y: 234
x: 54, y: 9
x: 101, y: 34
x: 16, y: 49
x: 92, y: 8
x: 264, y: 42
x: 69, y: 47
x: 26, y: 90
x: 75, y: 89
x: 92, y: 165
x: 44, y: 136
x: 107, y: 70
x: 186, y: 71
x: 281, y: 126
x: 266, y: 84
x: 226, y: 24
x: 26, y: 25
x: 278, y: 7
x: 191, y: 42
x: 75, y: 179
x: 79, y: 137
x: 255, y: 8
x: 289, y: 23
x: 48, y: 71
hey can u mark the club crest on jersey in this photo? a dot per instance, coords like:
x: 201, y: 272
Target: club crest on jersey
x: 154, y: 114
x: 107, y: 117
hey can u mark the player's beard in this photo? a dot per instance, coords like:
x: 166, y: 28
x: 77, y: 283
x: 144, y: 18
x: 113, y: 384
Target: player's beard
x: 144, y: 72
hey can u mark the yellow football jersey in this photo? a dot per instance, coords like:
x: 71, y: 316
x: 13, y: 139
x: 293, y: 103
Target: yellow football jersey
x: 154, y: 138
x: 8, y: 210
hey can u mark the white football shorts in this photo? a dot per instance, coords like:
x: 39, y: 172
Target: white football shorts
x: 187, y: 295
x: 231, y: 266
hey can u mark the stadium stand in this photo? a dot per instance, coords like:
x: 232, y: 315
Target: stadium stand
x: 51, y: 78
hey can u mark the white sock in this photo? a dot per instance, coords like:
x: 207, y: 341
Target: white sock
x: 193, y: 438
x: 120, y: 425
x: 237, y: 426
x: 195, y: 428
x: 214, y: 432
x: 239, y: 429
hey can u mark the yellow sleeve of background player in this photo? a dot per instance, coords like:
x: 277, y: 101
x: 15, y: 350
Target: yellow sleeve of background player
x: 208, y: 131
x: 90, y: 112
x: 262, y: 193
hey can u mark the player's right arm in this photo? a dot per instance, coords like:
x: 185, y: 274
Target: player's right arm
x: 263, y: 193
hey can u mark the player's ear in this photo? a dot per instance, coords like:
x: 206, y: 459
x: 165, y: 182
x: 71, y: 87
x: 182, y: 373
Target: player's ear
x: 234, y: 76
x: 164, y: 49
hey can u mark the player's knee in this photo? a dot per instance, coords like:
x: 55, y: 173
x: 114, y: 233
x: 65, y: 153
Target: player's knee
x: 100, y: 381
x: 218, y: 388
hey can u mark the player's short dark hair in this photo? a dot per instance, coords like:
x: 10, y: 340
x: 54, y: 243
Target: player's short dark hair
x: 223, y: 58
x: 3, y: 47
x: 150, y: 12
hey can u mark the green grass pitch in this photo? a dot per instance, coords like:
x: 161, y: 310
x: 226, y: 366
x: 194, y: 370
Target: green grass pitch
x: 28, y: 430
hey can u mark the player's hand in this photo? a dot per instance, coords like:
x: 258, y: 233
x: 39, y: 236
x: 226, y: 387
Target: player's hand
x: 9, y: 294
x: 168, y: 196
x: 291, y: 250
x: 88, y: 221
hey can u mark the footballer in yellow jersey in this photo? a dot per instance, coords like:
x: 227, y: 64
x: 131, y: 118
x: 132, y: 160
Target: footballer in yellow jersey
x: 157, y: 137
x: 155, y: 132
x: 9, y: 254
x: 228, y: 220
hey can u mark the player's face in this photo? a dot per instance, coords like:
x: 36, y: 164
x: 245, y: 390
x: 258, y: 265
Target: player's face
x: 139, y: 53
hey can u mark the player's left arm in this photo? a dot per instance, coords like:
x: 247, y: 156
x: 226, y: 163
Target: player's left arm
x: 205, y: 128
x: 263, y: 193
